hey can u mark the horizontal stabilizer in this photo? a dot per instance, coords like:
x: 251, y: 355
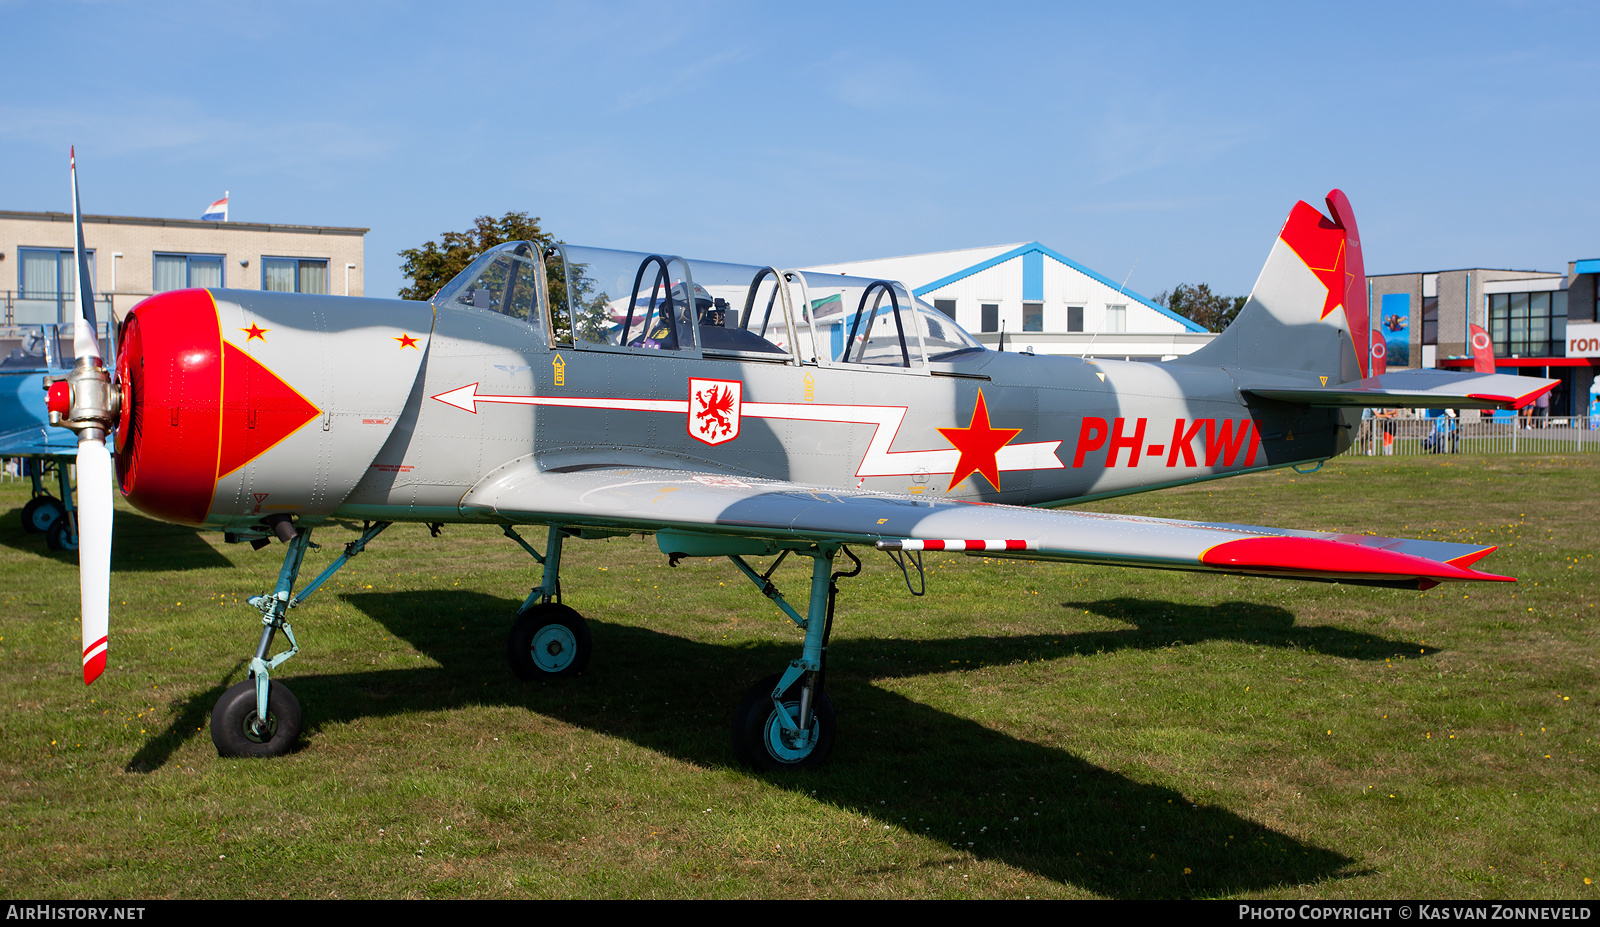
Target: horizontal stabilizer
x: 1417, y: 389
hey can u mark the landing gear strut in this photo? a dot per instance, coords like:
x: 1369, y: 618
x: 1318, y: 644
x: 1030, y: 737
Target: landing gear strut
x: 787, y: 721
x: 548, y: 640
x: 44, y: 514
x: 260, y: 717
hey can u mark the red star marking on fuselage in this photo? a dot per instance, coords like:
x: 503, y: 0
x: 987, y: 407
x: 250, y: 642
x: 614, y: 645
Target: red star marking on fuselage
x: 406, y: 341
x: 255, y: 332
x: 978, y: 444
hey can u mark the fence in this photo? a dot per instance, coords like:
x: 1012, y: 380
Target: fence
x: 1501, y: 435
x: 34, y: 308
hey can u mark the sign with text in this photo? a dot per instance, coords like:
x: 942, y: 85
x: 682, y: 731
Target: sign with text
x: 1583, y: 339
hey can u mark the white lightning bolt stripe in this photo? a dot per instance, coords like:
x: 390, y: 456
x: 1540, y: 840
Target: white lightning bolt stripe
x: 468, y: 396
x: 877, y: 461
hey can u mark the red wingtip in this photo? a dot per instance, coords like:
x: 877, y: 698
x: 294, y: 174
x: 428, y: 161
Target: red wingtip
x: 1466, y: 560
x: 1334, y: 559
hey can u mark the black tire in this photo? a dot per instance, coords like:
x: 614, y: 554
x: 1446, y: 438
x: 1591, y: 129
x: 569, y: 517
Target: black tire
x: 40, y: 513
x: 549, y: 641
x: 757, y: 742
x: 61, y: 536
x: 233, y: 722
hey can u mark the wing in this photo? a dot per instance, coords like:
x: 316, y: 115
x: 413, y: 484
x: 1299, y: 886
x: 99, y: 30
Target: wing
x: 706, y: 514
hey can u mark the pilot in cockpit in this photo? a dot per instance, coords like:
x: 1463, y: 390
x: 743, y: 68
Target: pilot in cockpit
x: 715, y: 315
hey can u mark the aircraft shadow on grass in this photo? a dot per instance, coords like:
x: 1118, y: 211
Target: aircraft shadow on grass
x: 1164, y: 624
x: 898, y: 763
x: 139, y: 544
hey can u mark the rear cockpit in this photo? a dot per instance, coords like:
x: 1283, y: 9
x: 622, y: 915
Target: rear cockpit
x: 623, y: 301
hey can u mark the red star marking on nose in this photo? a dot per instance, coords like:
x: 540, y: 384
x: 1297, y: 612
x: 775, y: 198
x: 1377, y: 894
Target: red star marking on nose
x: 255, y: 332
x: 978, y: 444
x: 406, y: 341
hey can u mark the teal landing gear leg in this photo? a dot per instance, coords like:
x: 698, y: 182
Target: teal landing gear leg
x: 63, y: 532
x: 260, y: 717
x: 548, y: 640
x: 786, y: 721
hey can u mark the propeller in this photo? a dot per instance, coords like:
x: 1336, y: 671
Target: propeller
x: 89, y: 405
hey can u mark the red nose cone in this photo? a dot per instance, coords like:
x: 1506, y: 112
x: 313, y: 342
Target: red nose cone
x: 170, y: 368
x: 59, y: 398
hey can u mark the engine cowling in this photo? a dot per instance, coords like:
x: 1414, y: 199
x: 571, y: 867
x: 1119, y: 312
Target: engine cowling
x: 239, y: 405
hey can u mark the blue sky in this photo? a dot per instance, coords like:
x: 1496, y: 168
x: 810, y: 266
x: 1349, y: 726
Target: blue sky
x: 1160, y: 142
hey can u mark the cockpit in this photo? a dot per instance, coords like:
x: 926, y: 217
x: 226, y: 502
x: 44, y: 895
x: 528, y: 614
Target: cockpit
x: 624, y: 301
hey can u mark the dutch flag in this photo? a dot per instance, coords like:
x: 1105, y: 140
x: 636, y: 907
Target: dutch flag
x: 218, y: 211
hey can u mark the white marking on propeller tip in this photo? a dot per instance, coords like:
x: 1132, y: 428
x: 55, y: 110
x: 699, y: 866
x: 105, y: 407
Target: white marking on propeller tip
x: 94, y: 650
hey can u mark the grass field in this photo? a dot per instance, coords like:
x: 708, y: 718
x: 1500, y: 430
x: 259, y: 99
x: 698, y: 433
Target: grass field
x: 1025, y: 729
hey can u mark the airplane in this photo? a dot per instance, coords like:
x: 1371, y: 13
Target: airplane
x: 730, y: 410
x: 25, y: 434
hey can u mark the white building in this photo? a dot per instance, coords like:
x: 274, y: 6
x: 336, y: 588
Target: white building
x: 1022, y: 297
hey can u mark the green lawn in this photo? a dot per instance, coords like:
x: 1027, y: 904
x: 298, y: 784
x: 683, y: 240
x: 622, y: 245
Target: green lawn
x: 1023, y: 730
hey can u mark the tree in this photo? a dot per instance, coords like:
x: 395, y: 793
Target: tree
x: 432, y: 265
x: 1198, y: 304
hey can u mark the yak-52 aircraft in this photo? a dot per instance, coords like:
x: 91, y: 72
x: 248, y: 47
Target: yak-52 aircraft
x: 732, y: 411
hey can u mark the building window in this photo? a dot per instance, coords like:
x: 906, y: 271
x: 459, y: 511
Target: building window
x: 1528, y: 324
x: 294, y: 275
x: 1116, y: 318
x: 47, y: 285
x: 1074, y: 318
x: 946, y: 306
x: 991, y: 317
x: 1033, y: 317
x: 181, y: 271
x: 1430, y: 320
x: 47, y: 273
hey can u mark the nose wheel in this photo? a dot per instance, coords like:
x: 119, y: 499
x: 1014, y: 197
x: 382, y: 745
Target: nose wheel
x: 238, y: 729
x: 548, y: 641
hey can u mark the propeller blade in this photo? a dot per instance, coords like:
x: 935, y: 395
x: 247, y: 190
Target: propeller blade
x: 94, y: 460
x: 94, y: 552
x: 84, y: 341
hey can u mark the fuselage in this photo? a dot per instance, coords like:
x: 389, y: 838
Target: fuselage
x: 247, y: 405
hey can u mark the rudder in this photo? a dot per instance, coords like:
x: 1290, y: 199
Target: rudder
x: 1308, y: 309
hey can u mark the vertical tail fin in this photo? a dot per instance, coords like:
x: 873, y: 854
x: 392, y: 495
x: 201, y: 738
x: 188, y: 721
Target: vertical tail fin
x: 1308, y: 309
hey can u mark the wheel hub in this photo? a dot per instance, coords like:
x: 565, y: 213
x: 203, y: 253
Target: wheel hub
x: 259, y: 731
x: 787, y: 746
x: 554, y: 648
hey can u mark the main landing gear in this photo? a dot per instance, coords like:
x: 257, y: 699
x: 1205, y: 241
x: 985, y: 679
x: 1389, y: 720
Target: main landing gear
x: 786, y: 720
x: 44, y: 514
x: 548, y: 640
x: 260, y: 717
